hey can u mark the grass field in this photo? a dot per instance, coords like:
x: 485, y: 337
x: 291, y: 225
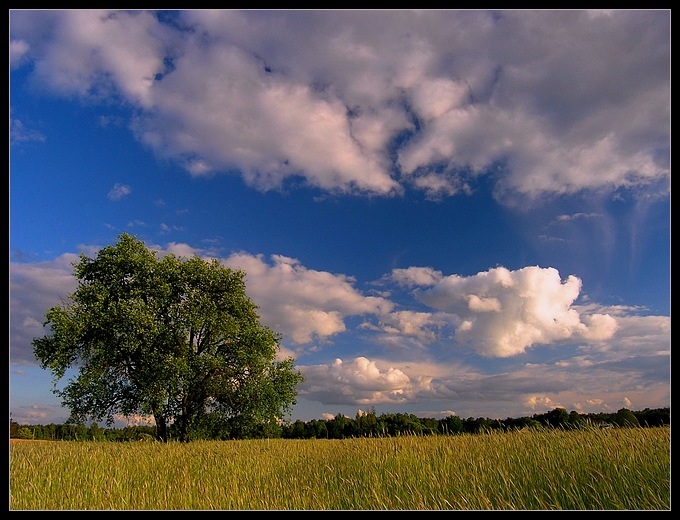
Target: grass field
x: 614, y: 469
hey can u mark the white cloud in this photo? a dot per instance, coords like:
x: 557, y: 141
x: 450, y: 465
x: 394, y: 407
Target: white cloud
x: 414, y: 276
x: 407, y: 329
x: 372, y: 102
x: 505, y: 312
x: 575, y: 216
x: 181, y: 250
x: 518, y: 390
x: 272, y: 128
x: 601, y: 368
x: 358, y: 381
x: 541, y: 402
x: 498, y: 313
x: 598, y: 327
x: 119, y: 191
x: 634, y: 336
x: 438, y: 185
x: 96, y: 52
x: 410, y: 323
x: 433, y: 99
x: 304, y: 304
x: 594, y: 383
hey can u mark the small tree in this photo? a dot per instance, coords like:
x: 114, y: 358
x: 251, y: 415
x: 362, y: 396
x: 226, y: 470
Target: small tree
x: 624, y: 417
x: 173, y: 338
x: 451, y: 424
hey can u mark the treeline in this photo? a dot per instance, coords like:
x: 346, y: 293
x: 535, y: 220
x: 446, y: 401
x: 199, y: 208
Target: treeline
x: 79, y: 432
x: 365, y: 424
x: 387, y: 425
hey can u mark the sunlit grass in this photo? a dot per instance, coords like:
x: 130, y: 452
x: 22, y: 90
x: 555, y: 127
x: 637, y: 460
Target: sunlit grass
x: 622, y: 468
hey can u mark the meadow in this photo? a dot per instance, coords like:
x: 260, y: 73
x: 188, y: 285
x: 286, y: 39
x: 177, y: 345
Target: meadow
x: 591, y: 469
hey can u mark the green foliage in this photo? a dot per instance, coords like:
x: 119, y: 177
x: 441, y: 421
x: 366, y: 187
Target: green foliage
x: 624, y: 417
x: 24, y: 432
x: 452, y: 424
x: 214, y: 427
x: 174, y: 338
x: 653, y: 417
x: 556, y: 417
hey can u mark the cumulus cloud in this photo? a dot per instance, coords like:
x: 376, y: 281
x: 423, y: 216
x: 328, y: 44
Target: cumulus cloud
x: 588, y: 383
x: 268, y: 127
x: 635, y: 335
x: 547, y: 102
x: 181, y: 250
x: 541, y: 402
x: 601, y: 380
x: 90, y: 52
x: 304, y: 304
x: 612, y: 355
x: 406, y: 328
x: 503, y: 312
x: 357, y: 381
x: 498, y: 313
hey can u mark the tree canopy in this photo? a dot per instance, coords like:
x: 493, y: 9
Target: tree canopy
x: 175, y: 338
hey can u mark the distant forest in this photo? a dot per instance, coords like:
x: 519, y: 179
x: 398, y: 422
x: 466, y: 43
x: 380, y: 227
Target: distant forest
x: 365, y: 424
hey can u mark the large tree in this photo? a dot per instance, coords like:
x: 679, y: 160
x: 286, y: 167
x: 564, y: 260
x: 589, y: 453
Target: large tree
x: 175, y: 338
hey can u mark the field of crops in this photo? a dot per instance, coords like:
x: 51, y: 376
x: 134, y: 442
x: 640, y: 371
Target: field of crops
x: 613, y: 469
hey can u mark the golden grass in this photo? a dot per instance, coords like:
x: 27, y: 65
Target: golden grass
x: 616, y: 469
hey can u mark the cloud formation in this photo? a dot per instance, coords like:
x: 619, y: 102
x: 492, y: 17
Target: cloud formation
x: 608, y: 355
x: 598, y: 377
x: 501, y: 313
x: 304, y: 304
x: 358, y: 381
x: 375, y: 102
x: 497, y: 313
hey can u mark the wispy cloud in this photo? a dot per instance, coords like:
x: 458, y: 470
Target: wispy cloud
x: 19, y: 133
x: 577, y: 216
x: 119, y: 191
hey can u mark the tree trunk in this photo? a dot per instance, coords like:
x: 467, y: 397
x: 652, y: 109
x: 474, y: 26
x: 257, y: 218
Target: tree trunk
x: 183, y: 423
x: 161, y: 427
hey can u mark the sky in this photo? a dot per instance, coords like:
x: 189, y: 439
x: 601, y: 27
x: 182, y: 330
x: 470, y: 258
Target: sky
x: 442, y: 212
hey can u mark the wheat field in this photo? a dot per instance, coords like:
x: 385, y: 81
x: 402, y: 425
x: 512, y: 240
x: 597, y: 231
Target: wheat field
x: 593, y: 469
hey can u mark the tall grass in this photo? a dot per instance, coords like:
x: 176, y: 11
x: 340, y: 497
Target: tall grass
x: 626, y: 468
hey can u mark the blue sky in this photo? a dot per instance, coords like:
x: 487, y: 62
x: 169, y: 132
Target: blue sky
x: 443, y: 212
